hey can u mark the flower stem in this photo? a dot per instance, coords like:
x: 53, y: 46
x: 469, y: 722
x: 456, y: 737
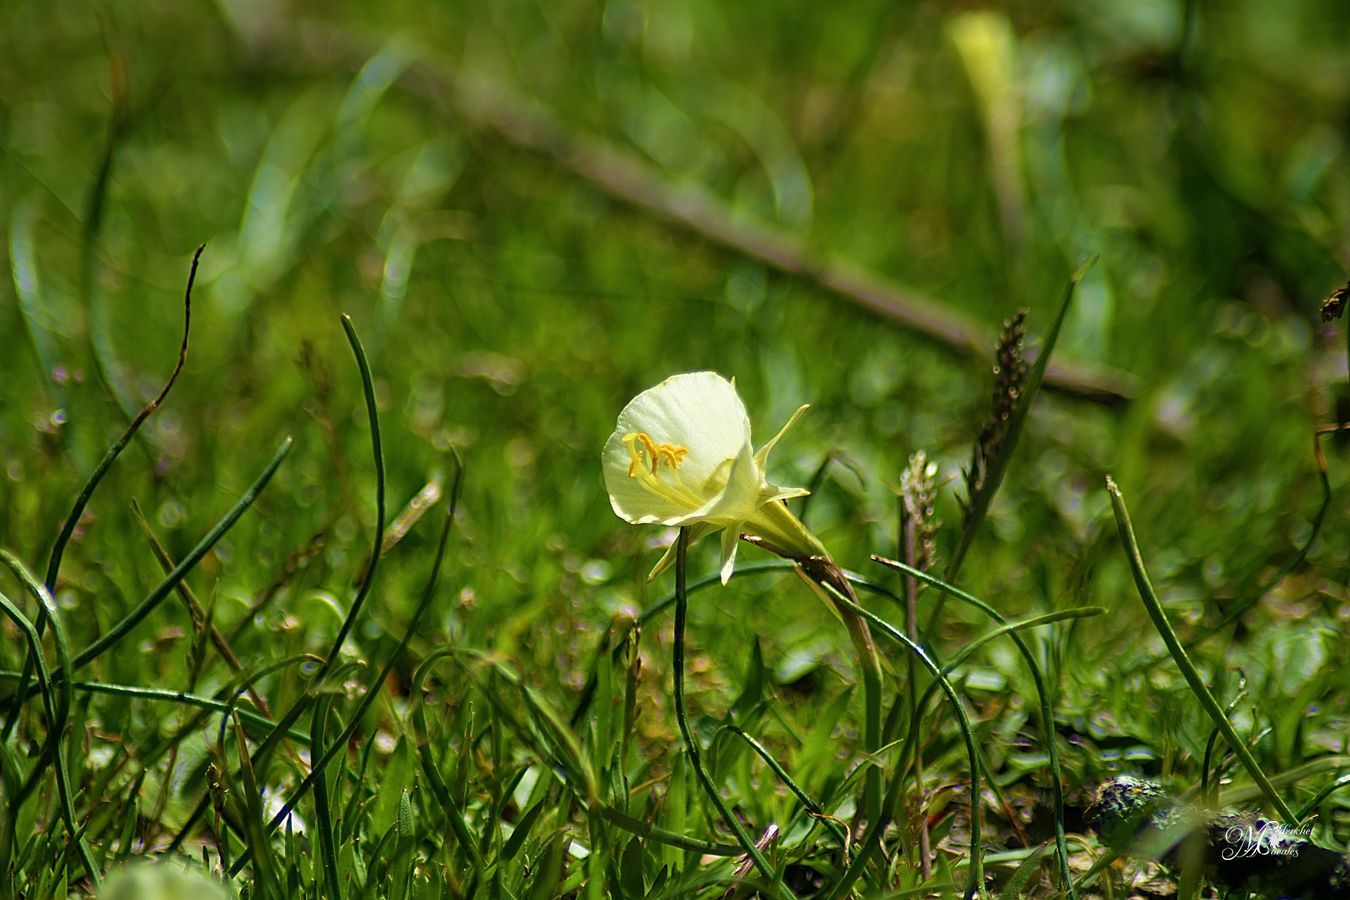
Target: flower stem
x: 823, y: 574
x: 695, y: 755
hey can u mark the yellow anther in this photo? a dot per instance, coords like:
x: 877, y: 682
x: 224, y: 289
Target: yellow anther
x: 648, y: 454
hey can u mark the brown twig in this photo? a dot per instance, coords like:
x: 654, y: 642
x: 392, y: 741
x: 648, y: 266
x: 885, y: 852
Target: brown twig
x: 488, y: 104
x: 625, y: 176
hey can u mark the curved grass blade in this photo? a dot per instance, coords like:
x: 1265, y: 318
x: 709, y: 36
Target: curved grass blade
x: 1022, y: 877
x: 52, y: 706
x: 661, y: 836
x: 167, y: 586
x: 73, y: 519
x: 1183, y: 661
x: 1308, y: 808
x: 185, y: 698
x: 51, y: 751
x: 293, y: 714
x: 109, y: 457
x: 377, y: 451
x: 1046, y: 714
x: 811, y: 806
x: 373, y: 689
x: 869, y: 842
x: 966, y: 651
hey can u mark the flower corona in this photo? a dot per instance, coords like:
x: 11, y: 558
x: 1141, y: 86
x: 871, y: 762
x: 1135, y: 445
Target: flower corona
x: 681, y: 455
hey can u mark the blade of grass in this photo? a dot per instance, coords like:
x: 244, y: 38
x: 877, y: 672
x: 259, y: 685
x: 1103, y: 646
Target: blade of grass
x: 52, y: 751
x: 870, y: 843
x: 1183, y: 661
x: 152, y: 601
x: 322, y: 813
x: 1021, y: 878
x: 194, y: 607
x: 377, y: 451
x: 267, y: 881
x: 52, y: 707
x: 87, y: 492
x: 373, y: 689
x: 81, y: 501
x: 292, y: 715
x: 661, y: 836
x: 1308, y: 808
x: 453, y: 811
x: 810, y: 805
x: 185, y: 698
x: 1046, y: 713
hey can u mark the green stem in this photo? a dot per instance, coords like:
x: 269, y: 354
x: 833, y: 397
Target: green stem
x: 785, y: 533
x: 691, y: 746
x: 830, y: 580
x: 811, y: 806
x: 1188, y: 670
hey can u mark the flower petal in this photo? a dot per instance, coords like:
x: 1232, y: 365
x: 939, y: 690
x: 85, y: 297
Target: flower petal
x: 740, y: 497
x: 688, y: 429
x: 762, y: 455
x: 696, y: 533
x: 700, y: 411
x: 773, y: 492
x: 729, y: 538
x: 633, y: 502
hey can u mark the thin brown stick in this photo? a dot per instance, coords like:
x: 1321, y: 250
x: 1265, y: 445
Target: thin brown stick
x: 487, y: 104
x: 625, y: 176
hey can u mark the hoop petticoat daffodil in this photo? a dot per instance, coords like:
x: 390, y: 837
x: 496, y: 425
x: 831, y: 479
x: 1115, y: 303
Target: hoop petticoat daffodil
x: 681, y: 455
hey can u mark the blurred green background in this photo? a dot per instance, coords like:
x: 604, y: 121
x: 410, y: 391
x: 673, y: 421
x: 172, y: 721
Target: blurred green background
x: 325, y: 154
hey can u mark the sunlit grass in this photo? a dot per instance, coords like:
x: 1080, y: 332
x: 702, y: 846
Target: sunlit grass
x: 423, y: 704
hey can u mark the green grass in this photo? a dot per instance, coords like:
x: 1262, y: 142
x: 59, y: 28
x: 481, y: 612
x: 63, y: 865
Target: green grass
x: 482, y: 704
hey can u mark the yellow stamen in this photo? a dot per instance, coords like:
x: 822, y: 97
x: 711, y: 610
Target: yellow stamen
x: 647, y: 453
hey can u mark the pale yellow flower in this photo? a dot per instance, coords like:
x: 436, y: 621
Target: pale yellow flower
x: 681, y: 455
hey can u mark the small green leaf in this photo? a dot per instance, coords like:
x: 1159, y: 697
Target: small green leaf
x: 522, y: 830
x: 394, y: 781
